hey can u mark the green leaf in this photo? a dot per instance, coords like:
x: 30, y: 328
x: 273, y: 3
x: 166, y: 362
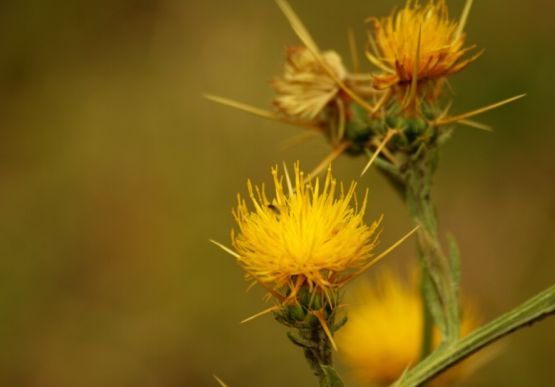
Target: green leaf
x: 338, y: 325
x: 433, y: 302
x: 297, y: 340
x: 331, y: 378
x: 536, y: 308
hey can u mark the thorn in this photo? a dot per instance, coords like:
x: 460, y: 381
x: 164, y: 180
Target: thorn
x: 225, y: 248
x: 260, y: 112
x: 297, y: 26
x: 340, y: 148
x: 220, y: 382
x: 259, y: 314
x: 379, y: 257
x: 325, y: 327
x: 476, y: 125
x: 251, y: 285
x: 390, y: 248
x: 445, y: 111
x: 383, y: 99
x: 473, y: 113
x: 390, y: 133
x: 385, y: 152
x: 464, y: 18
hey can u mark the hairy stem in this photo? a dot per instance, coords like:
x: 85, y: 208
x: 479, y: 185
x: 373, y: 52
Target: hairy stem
x: 439, y: 285
x: 318, y: 353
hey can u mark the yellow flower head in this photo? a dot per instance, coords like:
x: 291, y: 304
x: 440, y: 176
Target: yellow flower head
x: 420, y: 37
x: 383, y: 336
x: 311, y: 236
x: 306, y: 87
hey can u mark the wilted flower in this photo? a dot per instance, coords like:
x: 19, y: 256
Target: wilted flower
x: 418, y: 37
x: 306, y: 87
x: 384, y: 333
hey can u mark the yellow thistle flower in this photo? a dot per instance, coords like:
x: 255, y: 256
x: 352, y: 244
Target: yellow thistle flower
x: 383, y: 336
x: 418, y: 38
x: 306, y: 87
x: 308, y: 236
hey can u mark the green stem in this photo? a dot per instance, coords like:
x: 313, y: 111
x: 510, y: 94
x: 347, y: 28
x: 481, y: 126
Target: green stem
x: 313, y: 317
x: 535, y: 309
x: 318, y: 353
x: 427, y: 319
x: 439, y: 286
x: 439, y: 282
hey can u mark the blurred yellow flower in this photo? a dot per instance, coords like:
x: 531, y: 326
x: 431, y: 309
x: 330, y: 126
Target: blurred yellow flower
x: 383, y: 335
x: 310, y: 236
x: 418, y: 33
x: 306, y: 87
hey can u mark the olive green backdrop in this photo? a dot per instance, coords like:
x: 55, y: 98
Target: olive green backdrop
x: 115, y: 172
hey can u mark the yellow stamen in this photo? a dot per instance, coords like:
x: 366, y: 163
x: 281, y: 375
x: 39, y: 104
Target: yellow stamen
x: 405, y: 62
x: 412, y: 99
x: 304, y: 234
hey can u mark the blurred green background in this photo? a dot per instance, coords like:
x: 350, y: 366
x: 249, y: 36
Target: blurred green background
x: 115, y: 172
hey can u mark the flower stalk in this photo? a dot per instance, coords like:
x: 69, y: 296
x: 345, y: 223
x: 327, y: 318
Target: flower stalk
x: 412, y: 177
x: 439, y: 286
x: 314, y: 320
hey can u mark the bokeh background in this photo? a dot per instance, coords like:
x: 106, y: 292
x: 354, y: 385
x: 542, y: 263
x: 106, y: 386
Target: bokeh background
x: 115, y: 172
